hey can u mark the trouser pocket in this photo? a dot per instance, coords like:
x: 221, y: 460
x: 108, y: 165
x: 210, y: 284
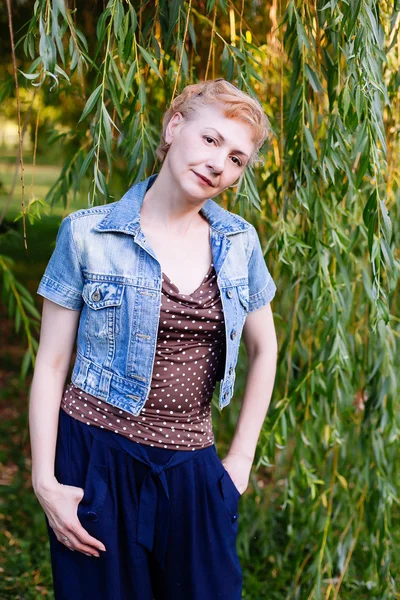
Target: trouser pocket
x: 229, y: 493
x: 82, y: 461
x: 96, y: 483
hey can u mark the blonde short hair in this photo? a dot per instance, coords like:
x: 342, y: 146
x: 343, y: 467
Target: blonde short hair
x: 236, y: 104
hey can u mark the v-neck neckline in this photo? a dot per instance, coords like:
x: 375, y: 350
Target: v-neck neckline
x: 196, y: 290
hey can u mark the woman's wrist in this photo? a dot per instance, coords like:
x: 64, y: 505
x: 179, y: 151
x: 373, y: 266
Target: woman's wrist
x: 43, y: 483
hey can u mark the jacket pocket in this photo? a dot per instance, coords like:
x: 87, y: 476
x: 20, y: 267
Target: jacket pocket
x: 243, y: 293
x: 103, y: 301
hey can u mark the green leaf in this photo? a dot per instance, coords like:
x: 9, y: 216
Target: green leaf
x: 30, y: 76
x: 26, y: 361
x: 310, y: 142
x: 61, y: 7
x: 351, y: 16
x: 363, y: 166
x: 129, y: 77
x: 370, y: 208
x: 75, y: 59
x: 142, y: 95
x: 101, y: 25
x: 387, y: 254
x: 192, y: 35
x: 156, y: 47
x: 118, y: 75
x: 60, y: 71
x: 107, y: 128
x: 133, y: 18
x: 383, y: 311
x: 301, y: 34
x: 85, y: 164
x: 173, y: 9
x: 313, y: 79
x: 223, y: 5
x: 230, y: 71
x: 112, y: 88
x: 48, y: 52
x: 118, y: 17
x: 374, y: 25
x: 93, y: 98
x: 254, y: 73
x: 386, y: 222
x: 134, y: 155
x: 362, y: 139
x: 82, y: 38
x: 359, y: 102
x: 371, y: 232
x: 346, y: 100
x: 100, y: 181
x: 149, y: 59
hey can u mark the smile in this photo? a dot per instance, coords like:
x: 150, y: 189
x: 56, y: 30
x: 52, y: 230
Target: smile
x: 203, y: 179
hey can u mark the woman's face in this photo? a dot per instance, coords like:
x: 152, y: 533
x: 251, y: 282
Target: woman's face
x: 207, y: 153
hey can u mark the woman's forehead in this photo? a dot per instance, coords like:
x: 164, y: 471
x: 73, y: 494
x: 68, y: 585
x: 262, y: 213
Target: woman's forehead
x: 212, y: 118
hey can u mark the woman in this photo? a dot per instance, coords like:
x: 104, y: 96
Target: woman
x: 123, y: 458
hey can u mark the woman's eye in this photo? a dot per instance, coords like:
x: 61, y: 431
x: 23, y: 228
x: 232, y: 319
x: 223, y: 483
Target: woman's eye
x: 208, y: 138
x: 239, y: 162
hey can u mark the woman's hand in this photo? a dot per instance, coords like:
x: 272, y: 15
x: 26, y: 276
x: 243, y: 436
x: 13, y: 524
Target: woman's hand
x: 60, y: 503
x: 238, y: 467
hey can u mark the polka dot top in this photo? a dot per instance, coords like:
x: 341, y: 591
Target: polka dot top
x: 189, y: 359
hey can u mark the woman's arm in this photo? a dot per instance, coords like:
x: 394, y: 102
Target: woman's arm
x: 60, y: 502
x: 57, y: 337
x: 261, y: 345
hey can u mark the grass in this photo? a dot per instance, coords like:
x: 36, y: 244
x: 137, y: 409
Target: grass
x: 38, y: 180
x: 24, y: 551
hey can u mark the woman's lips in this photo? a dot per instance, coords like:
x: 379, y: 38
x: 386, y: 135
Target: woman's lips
x: 203, y: 179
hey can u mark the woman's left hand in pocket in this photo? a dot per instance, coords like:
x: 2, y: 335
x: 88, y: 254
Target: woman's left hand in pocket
x: 239, y: 468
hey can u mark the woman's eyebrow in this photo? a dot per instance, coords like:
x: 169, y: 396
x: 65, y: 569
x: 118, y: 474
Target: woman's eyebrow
x: 221, y: 137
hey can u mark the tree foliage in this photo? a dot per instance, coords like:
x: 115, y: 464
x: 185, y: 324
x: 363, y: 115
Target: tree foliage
x: 328, y: 200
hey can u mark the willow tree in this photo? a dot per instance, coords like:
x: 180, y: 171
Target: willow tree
x: 325, y: 202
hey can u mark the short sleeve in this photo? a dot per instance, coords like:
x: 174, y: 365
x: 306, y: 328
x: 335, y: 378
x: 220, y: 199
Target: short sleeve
x: 262, y: 287
x: 63, y: 280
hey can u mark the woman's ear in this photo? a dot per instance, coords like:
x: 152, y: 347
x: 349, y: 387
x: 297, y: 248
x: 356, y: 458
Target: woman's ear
x: 174, y: 123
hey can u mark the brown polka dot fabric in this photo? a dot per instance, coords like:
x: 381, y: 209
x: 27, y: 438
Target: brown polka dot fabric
x: 190, y: 358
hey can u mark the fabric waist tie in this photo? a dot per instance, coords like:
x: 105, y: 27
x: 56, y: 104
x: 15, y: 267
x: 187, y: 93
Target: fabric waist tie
x: 148, y: 497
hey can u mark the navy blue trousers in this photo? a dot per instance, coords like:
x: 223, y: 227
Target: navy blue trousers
x: 168, y: 520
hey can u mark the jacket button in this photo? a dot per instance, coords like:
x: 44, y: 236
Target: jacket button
x: 231, y: 371
x: 96, y: 296
x: 229, y: 293
x: 233, y: 334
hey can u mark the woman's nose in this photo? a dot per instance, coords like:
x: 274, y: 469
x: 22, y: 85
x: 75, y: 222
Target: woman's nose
x: 216, y: 165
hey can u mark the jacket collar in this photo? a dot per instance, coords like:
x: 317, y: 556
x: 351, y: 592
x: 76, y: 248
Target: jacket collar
x: 124, y: 215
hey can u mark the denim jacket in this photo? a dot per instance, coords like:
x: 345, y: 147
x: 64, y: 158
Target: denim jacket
x: 103, y: 267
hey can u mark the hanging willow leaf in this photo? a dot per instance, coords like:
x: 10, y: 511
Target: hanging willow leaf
x: 387, y: 223
x: 93, y: 98
x: 313, y: 79
x: 148, y: 58
x: 107, y: 129
x: 30, y: 76
x: 310, y: 142
x: 129, y: 77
